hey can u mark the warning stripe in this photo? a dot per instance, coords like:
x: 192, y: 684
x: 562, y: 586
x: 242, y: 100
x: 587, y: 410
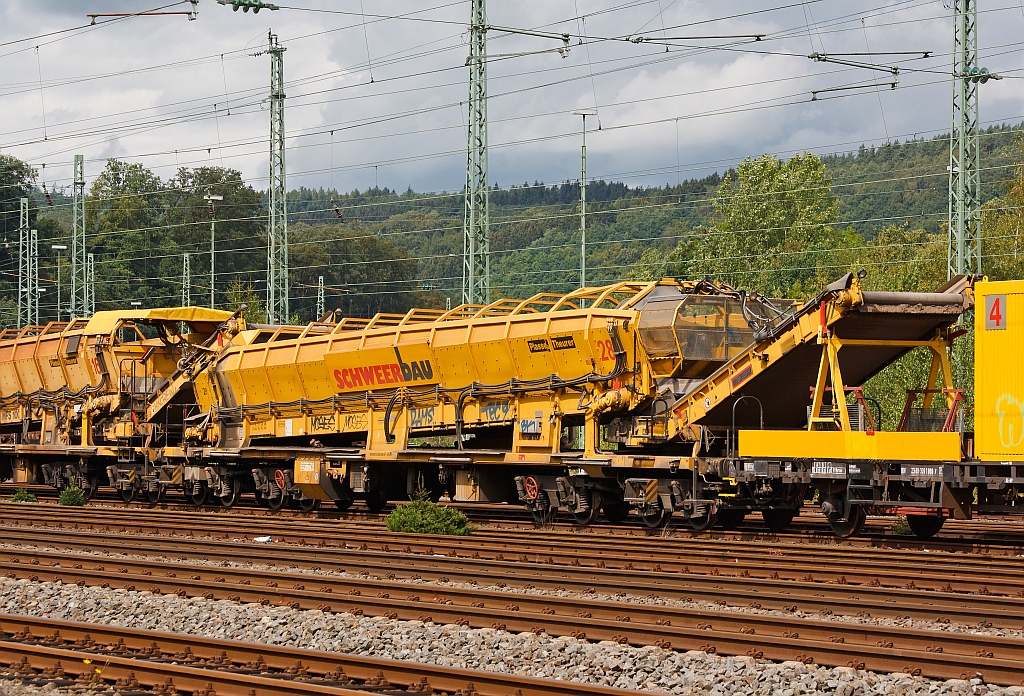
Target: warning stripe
x: 651, y: 494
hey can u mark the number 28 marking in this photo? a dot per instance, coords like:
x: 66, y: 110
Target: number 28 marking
x: 607, y: 349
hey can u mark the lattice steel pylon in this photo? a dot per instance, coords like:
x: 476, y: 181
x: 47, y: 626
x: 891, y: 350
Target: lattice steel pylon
x: 28, y: 271
x: 186, y: 280
x: 89, y: 308
x: 78, y: 266
x: 24, y: 268
x: 476, y: 255
x: 321, y: 301
x: 277, y: 232
x: 964, y: 255
x: 33, y: 277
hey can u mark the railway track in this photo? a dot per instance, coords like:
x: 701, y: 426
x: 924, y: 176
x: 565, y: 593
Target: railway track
x: 377, y: 583
x: 979, y: 535
x: 88, y: 654
x: 699, y: 556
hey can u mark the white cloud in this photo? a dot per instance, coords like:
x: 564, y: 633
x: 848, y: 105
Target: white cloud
x: 155, y: 71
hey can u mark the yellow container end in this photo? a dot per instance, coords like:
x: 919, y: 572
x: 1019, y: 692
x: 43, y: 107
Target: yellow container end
x: 998, y: 370
x: 824, y: 444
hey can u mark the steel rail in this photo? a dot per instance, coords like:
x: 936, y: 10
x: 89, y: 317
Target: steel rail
x: 80, y: 649
x: 332, y: 525
x: 769, y: 593
x: 979, y: 535
x: 988, y: 574
x: 878, y: 648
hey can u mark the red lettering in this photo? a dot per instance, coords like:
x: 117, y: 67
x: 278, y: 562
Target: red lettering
x: 367, y: 374
x: 357, y: 381
x: 337, y: 378
x: 396, y: 372
x: 345, y: 376
x: 378, y: 374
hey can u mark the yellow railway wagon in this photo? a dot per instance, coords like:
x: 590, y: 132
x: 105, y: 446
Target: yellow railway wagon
x: 73, y: 393
x: 464, y: 391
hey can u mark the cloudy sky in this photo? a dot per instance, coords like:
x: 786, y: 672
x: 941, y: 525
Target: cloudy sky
x: 380, y: 97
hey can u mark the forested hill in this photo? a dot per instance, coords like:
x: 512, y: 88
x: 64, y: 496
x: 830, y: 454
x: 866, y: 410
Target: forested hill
x: 383, y: 250
x: 535, y: 227
x: 909, y: 182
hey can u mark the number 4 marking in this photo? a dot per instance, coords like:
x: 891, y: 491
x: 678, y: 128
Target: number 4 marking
x: 995, y: 315
x: 995, y: 312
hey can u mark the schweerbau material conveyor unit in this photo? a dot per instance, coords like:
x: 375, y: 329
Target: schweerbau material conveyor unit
x: 668, y: 398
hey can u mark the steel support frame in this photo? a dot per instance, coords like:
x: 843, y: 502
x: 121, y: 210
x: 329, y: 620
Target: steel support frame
x: 830, y: 375
x: 24, y: 268
x: 277, y: 232
x: 79, y: 269
x: 476, y: 271
x: 186, y: 280
x: 89, y: 308
x: 964, y: 237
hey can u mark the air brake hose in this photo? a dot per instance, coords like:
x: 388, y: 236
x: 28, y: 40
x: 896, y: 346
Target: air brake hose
x: 389, y: 436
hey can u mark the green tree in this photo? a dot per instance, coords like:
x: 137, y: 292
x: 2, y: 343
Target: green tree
x: 240, y: 232
x: 363, y: 273
x: 123, y: 211
x: 17, y: 180
x: 1002, y: 227
x: 239, y: 294
x: 774, y: 230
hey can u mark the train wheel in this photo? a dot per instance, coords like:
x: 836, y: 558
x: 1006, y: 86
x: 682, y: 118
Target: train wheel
x: 261, y: 499
x: 375, y: 501
x: 925, y: 526
x: 128, y: 494
x: 343, y: 504
x: 590, y: 514
x: 233, y: 496
x: 851, y: 526
x: 308, y: 504
x: 157, y: 496
x: 731, y: 519
x: 198, y: 496
x: 703, y: 522
x: 90, y: 487
x: 777, y: 520
x: 615, y: 512
x: 654, y: 518
x: 277, y: 502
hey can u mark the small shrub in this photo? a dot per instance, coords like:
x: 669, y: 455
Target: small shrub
x: 23, y: 496
x: 72, y: 495
x: 901, y: 526
x: 426, y: 517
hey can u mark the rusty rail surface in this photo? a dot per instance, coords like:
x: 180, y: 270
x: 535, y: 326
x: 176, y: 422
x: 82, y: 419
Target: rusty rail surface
x: 95, y: 654
x: 982, y: 574
x: 979, y: 535
x: 835, y: 643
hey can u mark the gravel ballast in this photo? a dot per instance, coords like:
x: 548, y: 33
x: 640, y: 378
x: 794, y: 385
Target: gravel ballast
x: 622, y: 597
x: 605, y: 663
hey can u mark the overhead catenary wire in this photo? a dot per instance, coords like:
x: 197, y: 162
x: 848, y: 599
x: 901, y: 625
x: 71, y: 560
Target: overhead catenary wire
x: 332, y: 168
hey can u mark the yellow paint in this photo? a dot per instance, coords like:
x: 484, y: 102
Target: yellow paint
x: 822, y: 444
x: 105, y: 322
x: 381, y: 368
x: 999, y: 370
x: 307, y: 476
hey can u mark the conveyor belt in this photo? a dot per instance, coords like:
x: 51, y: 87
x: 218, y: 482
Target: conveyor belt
x: 783, y: 385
